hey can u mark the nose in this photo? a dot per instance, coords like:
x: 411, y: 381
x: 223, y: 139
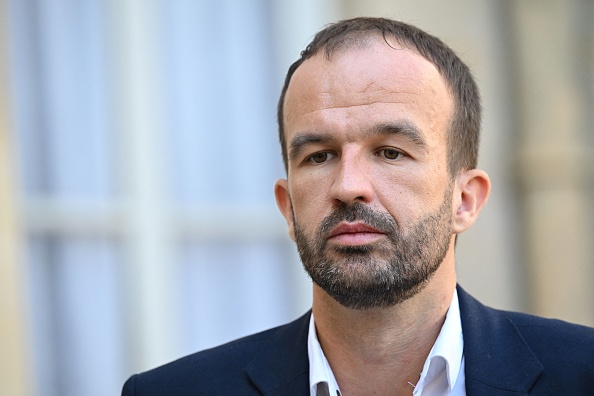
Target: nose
x: 352, y: 182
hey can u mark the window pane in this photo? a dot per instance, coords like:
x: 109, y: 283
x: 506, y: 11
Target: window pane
x: 76, y: 317
x: 59, y: 84
x: 221, y: 101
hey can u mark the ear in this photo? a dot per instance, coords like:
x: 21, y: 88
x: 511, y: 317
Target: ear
x: 472, y: 190
x: 283, y: 201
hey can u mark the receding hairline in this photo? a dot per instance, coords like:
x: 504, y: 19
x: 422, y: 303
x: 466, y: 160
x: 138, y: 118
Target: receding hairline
x: 361, y: 40
x: 364, y: 39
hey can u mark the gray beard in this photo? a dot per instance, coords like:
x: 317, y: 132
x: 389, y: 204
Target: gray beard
x: 381, y: 274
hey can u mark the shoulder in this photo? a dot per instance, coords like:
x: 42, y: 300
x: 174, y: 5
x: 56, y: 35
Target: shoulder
x: 552, y: 337
x: 564, y: 350
x: 535, y: 330
x: 217, y: 370
x: 502, y: 347
x: 200, y: 371
x: 555, y: 339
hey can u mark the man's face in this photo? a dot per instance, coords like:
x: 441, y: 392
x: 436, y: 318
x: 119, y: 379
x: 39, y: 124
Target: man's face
x: 368, y: 197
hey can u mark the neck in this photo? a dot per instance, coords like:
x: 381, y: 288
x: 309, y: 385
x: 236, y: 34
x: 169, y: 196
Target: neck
x: 384, y: 348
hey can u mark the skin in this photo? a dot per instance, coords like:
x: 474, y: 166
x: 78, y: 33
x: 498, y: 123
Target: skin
x: 340, y: 151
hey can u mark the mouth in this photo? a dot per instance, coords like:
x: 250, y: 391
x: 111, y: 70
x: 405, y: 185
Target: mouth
x: 354, y: 234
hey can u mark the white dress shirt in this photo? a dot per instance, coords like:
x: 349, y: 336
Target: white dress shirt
x: 443, y: 371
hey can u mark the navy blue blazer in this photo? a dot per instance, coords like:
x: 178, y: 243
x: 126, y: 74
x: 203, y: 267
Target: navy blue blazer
x: 505, y: 353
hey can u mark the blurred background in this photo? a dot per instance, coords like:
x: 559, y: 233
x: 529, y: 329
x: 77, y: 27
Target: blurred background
x: 138, y: 151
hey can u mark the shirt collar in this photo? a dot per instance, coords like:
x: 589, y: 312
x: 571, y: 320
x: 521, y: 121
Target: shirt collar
x: 319, y: 368
x: 446, y: 354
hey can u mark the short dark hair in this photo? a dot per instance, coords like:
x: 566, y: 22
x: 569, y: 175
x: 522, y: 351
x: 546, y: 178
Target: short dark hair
x: 464, y: 131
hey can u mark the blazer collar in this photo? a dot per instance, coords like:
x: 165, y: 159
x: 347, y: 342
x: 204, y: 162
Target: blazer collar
x: 282, y: 366
x: 497, y: 359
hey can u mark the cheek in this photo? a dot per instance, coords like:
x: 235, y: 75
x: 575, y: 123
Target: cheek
x: 309, y: 202
x: 410, y: 195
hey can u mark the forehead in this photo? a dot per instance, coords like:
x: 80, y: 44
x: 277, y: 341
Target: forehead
x: 365, y: 83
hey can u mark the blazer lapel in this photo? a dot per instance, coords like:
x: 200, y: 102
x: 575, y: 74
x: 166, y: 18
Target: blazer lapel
x: 282, y: 367
x: 497, y: 360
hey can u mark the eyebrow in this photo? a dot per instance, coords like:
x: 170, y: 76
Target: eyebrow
x: 301, y: 141
x: 403, y: 128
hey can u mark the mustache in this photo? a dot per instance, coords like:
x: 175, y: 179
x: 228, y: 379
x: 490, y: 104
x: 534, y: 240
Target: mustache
x: 381, y: 221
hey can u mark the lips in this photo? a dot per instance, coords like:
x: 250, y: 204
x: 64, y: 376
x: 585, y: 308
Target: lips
x: 354, y: 234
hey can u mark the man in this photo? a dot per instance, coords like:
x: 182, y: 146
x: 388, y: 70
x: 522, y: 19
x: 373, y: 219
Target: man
x: 379, y: 126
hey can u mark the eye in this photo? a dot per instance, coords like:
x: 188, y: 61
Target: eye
x: 320, y: 157
x: 389, y: 153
